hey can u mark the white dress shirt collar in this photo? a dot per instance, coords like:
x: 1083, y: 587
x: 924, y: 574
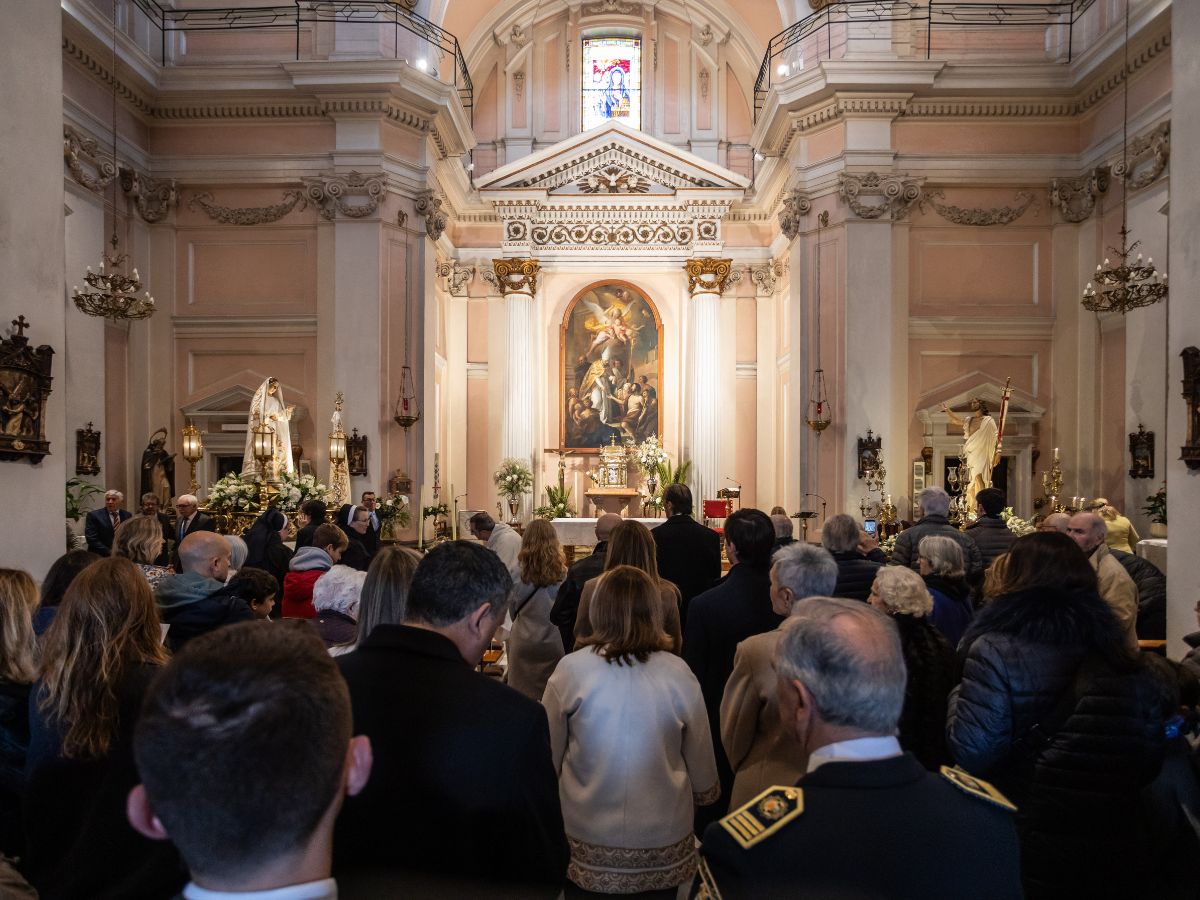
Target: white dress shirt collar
x: 325, y: 889
x: 857, y: 750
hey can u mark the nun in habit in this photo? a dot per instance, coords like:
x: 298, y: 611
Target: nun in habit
x: 268, y: 406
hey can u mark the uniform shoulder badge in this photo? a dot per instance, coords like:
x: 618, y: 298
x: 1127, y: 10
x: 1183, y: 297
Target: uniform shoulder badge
x: 976, y: 787
x: 707, y: 888
x: 764, y: 815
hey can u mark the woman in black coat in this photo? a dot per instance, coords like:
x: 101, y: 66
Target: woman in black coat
x: 941, y: 564
x: 264, y: 542
x: 928, y: 659
x: 1063, y: 719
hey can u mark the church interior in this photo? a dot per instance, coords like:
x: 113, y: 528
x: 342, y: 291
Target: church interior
x: 545, y: 259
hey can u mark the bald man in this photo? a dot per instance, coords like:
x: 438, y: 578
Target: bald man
x: 1055, y: 522
x: 197, y: 600
x: 1088, y: 530
x: 566, y: 604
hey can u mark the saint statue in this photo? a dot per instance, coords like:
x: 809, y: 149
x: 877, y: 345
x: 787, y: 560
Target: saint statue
x: 158, y: 470
x: 980, y: 436
x: 268, y: 406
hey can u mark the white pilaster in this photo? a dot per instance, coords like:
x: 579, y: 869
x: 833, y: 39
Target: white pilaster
x: 519, y: 420
x: 705, y: 322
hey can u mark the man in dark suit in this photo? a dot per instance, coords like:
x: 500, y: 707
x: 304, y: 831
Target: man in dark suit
x: 724, y: 616
x: 867, y: 820
x: 463, y: 785
x: 689, y: 554
x: 100, y: 524
x: 566, y: 602
x: 188, y: 520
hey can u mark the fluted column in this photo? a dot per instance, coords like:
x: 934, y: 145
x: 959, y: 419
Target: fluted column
x: 706, y: 282
x: 517, y: 281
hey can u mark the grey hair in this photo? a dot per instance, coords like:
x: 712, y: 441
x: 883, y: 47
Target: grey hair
x: 839, y: 534
x: 934, y: 501
x: 783, y: 526
x: 807, y: 570
x: 151, y: 496
x: 901, y: 590
x: 944, y: 555
x: 238, y: 551
x: 188, y: 499
x: 339, y: 590
x: 854, y: 669
x: 113, y: 492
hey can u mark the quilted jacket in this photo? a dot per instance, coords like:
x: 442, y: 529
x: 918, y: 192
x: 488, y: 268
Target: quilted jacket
x: 991, y: 536
x: 1151, y: 586
x: 908, y: 542
x: 856, y: 574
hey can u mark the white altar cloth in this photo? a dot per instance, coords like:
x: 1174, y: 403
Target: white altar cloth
x: 581, y: 532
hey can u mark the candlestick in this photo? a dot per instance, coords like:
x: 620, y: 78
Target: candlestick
x: 421, y: 521
x: 1056, y: 453
x: 453, y: 514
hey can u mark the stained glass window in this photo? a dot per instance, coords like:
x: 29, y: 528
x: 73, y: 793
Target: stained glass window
x: 612, y: 81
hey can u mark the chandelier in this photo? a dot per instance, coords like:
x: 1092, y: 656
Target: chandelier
x: 111, y: 294
x: 1126, y: 285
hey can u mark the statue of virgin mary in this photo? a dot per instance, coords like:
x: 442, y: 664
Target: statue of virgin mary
x: 268, y: 406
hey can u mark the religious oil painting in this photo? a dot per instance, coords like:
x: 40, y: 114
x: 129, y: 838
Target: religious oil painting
x: 612, y: 81
x: 611, y: 344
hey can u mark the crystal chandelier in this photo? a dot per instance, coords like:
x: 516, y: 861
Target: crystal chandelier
x: 1127, y: 285
x: 112, y: 294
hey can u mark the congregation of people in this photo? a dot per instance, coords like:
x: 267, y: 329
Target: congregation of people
x: 188, y: 713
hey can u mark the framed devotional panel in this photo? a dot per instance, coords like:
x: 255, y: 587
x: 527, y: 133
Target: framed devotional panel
x: 610, y: 352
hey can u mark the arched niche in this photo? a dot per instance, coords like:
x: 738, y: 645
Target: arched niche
x: 610, y: 349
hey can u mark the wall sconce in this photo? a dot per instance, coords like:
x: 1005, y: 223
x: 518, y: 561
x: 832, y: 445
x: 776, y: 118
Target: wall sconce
x: 193, y: 452
x: 87, y: 451
x: 1141, y: 453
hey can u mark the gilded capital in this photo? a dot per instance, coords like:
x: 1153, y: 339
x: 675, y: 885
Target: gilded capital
x: 516, y: 276
x: 707, y: 275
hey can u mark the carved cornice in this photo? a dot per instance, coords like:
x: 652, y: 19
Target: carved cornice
x: 795, y: 205
x: 82, y: 153
x: 248, y: 215
x: 1138, y: 60
x: 355, y: 195
x: 455, y: 278
x: 896, y: 194
x: 171, y: 111
x: 1075, y: 198
x: 613, y: 179
x: 430, y: 208
x: 887, y: 105
x: 1146, y: 158
x: 707, y: 275
x: 1002, y: 215
x: 82, y: 57
x: 609, y: 155
x: 153, y: 197
x: 515, y: 276
x: 959, y: 108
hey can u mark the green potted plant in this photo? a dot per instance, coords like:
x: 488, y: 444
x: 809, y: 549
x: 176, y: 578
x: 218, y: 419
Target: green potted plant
x: 78, y: 494
x: 1156, y: 509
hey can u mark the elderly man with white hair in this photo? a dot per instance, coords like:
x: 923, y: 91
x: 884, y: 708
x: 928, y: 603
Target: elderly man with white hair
x: 100, y: 524
x: 935, y: 505
x: 1088, y: 530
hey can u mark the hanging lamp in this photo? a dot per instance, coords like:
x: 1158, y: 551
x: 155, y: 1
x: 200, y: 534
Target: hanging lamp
x: 820, y: 414
x: 408, y: 404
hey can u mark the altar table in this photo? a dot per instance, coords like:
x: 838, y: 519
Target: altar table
x: 580, y: 532
x: 1154, y: 550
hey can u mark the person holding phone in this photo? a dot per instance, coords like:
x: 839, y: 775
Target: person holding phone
x: 842, y: 537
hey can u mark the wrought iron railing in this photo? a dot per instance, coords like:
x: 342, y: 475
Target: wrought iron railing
x: 307, y: 14
x: 928, y: 29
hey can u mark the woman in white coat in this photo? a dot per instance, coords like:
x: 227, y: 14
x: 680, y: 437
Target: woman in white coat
x: 631, y: 743
x: 534, y: 644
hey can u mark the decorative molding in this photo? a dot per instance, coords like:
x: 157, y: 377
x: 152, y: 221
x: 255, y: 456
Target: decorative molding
x: 515, y: 276
x: 963, y: 328
x: 766, y: 278
x: 78, y: 151
x: 704, y: 76
x: 795, y: 205
x: 455, y: 278
x: 102, y: 72
x: 613, y: 179
x: 618, y: 227
x: 1146, y: 158
x: 330, y: 193
x: 153, y: 197
x: 609, y: 7
x: 1075, y: 198
x: 248, y: 215
x: 184, y: 110
x: 1002, y: 215
x: 707, y: 275
x: 959, y: 108
x: 518, y: 86
x: 1116, y: 77
x: 896, y: 194
x: 436, y: 218
x: 613, y: 153
x: 706, y: 35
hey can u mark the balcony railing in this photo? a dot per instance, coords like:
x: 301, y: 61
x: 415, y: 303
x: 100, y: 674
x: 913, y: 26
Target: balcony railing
x: 930, y: 29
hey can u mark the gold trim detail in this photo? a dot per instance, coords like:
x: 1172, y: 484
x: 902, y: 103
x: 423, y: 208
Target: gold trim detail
x: 976, y: 787
x: 626, y: 870
x: 707, y: 275
x: 516, y: 276
x: 764, y: 815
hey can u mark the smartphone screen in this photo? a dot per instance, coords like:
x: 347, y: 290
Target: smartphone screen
x: 870, y: 526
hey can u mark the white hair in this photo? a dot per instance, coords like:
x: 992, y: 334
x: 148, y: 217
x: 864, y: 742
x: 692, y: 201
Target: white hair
x: 809, y: 571
x: 113, y: 492
x: 188, y: 499
x: 339, y: 590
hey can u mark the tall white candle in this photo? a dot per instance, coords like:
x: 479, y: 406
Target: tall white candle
x: 453, y: 514
x: 421, y: 521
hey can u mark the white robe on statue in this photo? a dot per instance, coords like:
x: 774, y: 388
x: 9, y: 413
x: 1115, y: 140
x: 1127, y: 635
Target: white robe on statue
x: 271, y: 409
x: 980, y: 449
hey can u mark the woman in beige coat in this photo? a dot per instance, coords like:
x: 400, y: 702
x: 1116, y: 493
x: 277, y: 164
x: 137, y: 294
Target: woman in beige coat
x: 535, y: 645
x: 631, y: 544
x: 630, y: 741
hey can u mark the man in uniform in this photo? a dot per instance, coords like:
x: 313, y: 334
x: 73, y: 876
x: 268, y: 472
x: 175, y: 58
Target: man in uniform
x: 867, y: 820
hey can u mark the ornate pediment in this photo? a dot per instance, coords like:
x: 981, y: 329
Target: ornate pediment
x: 612, y: 189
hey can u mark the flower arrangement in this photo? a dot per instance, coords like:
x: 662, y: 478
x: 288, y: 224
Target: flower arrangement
x: 1015, y: 523
x: 888, y: 545
x: 394, y: 508
x: 558, y: 504
x: 232, y: 494
x: 654, y: 503
x: 649, y: 455
x: 295, y: 489
x: 429, y: 512
x: 1156, y: 506
x: 513, y: 478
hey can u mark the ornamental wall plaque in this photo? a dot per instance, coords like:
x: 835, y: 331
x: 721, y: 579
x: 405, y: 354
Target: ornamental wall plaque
x: 83, y: 153
x: 1146, y: 158
x: 1075, y: 198
x: 1141, y: 453
x: 893, y: 194
x: 248, y: 215
x: 24, y: 389
x: 980, y: 216
x: 87, y: 451
x: 355, y: 196
x: 153, y: 197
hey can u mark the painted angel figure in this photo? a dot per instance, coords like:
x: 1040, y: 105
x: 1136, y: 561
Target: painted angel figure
x: 610, y: 325
x: 268, y: 406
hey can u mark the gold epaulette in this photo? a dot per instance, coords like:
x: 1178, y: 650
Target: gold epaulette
x: 707, y: 889
x: 764, y: 815
x: 976, y: 787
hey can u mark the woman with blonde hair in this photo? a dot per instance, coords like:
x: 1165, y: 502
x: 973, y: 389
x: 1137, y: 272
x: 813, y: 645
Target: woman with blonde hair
x: 630, y: 741
x: 1121, y: 534
x: 18, y: 599
x: 899, y: 592
x: 631, y: 544
x: 140, y: 540
x: 98, y: 657
x: 384, y: 597
x: 534, y: 643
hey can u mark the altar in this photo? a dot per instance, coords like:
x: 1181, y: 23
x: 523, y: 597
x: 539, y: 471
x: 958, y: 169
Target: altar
x: 580, y: 532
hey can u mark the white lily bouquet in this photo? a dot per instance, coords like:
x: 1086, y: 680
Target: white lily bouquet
x: 1015, y: 523
x: 394, y: 508
x: 513, y: 478
x: 296, y: 489
x: 232, y: 494
x: 649, y: 455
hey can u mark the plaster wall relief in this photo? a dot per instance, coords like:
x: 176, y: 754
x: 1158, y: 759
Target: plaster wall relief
x: 88, y: 165
x: 870, y: 196
x: 153, y: 197
x: 794, y: 206
x: 1147, y: 158
x: 977, y: 215
x: 455, y: 279
x: 247, y: 215
x: 432, y: 210
x: 354, y: 196
x: 1075, y: 198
